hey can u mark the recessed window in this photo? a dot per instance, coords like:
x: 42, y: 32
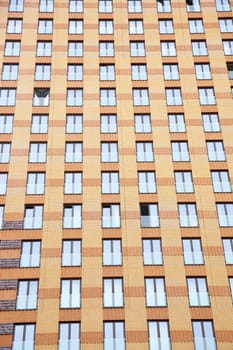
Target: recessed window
x: 207, y: 96
x: 166, y: 26
x: 113, y: 292
x: 192, y: 251
x: 106, y: 26
x: 75, y: 26
x: 14, y: 26
x: 27, y: 295
x: 155, y: 292
x: 75, y: 48
x: 137, y: 48
x: 134, y: 6
x: 194, y: 6
x: 199, y: 48
x: 45, y: 26
x: 105, y: 6
x: 215, y: 151
x: 228, y: 47
x: 109, y: 152
x: 196, y: 26
x: 180, y: 151
x: 184, y: 181
x: 35, y: 183
x: 6, y: 123
x: 16, y: 5
x: 226, y: 25
x: 164, y: 6
x: 221, y: 181
x: 107, y: 72
x: 188, y: 215
x: 230, y: 70
x: 112, y: 252
x: 138, y: 72
x: 171, y: 72
x: 152, y: 252
x: 142, y: 123
x: 146, y: 182
x: 228, y: 250
x: 37, y: 152
x: 203, y: 333
x: 168, y: 48
x: 30, y: 254
x: 71, y: 252
x: 176, y: 123
x: 46, y: 6
x: 141, y: 97
x: 203, y: 71
x: 75, y: 72
x: 70, y: 293
x: 222, y: 5
x: 110, y: 182
x: 144, y: 152
x: 136, y: 26
x: 39, y: 124
x: 73, y: 183
x: 106, y: 49
x: 73, y: 153
x: 3, y: 183
x: 149, y: 215
x: 44, y: 48
x: 211, y: 122
x: 43, y: 72
x: 114, y: 335
x: 74, y: 123
x: 173, y: 97
x: 107, y: 97
x: 225, y: 214
x: 41, y: 97
x: 10, y: 71
x: 69, y: 335
x: 72, y: 216
x: 111, y: 216
x: 108, y: 123
x: 74, y: 97
x: 1, y: 215
x: 24, y: 336
x: 5, y: 149
x: 76, y: 6
x: 231, y: 287
x: 33, y: 217
x: 159, y: 334
x: 7, y: 97
x: 197, y: 291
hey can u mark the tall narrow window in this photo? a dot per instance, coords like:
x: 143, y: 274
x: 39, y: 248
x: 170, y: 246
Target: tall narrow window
x: 35, y: 183
x: 71, y: 252
x: 73, y: 183
x: 110, y: 182
x: 184, y: 181
x: 30, y: 254
x: 6, y: 123
x: 114, y: 335
x: 192, y: 251
x: 159, y: 335
x: 142, y: 123
x: 111, y: 216
x: 109, y: 152
x: 70, y: 293
x: 27, y: 295
x: 39, y: 124
x: 113, y: 292
x: 69, y: 336
x: 144, y: 152
x: 228, y: 250
x: 108, y: 123
x: 74, y: 124
x: 24, y: 336
x: 198, y: 292
x: 73, y: 152
x: 1, y: 215
x: 188, y: 215
x: 155, y: 292
x: 72, y: 216
x: 3, y: 183
x: 152, y: 252
x: 203, y: 334
x: 5, y: 152
x: 146, y: 182
x: 33, y: 217
x: 149, y: 215
x: 225, y: 214
x: 112, y: 252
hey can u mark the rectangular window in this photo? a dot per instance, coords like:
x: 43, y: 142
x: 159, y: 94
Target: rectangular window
x: 141, y: 97
x: 221, y: 181
x: 1, y: 215
x: 155, y: 292
x: 107, y: 72
x: 107, y: 97
x: 33, y: 217
x: 106, y: 49
x: 76, y: 6
x: 180, y: 151
x: 75, y: 72
x: 106, y: 26
x: 173, y: 96
x: 196, y: 26
x: 39, y: 124
x: 168, y: 48
x: 72, y: 216
x: 74, y: 123
x: 211, y: 122
x: 149, y: 215
x: 35, y: 183
x: 142, y: 123
x: 146, y: 182
x: 144, y: 152
x: 43, y: 72
x: 109, y: 152
x: 134, y: 6
x: 75, y: 48
x: 108, y: 123
x: 152, y: 252
x: 188, y: 215
x: 138, y: 72
x: 10, y: 71
x: 112, y: 252
x: 203, y: 334
x: 192, y: 251
x: 207, y: 96
x: 46, y: 6
x: 222, y: 5
x: 228, y: 47
x: 171, y: 72
x: 24, y: 336
x: 231, y: 287
x: 184, y: 182
x: 37, y: 152
x: 215, y: 151
x: 69, y: 336
x: 114, y: 335
x: 7, y: 97
x: 176, y: 123
x: 113, y: 292
x: 137, y: 49
x: 199, y: 48
x: 73, y: 153
x: 230, y: 70
x: 228, y: 250
x: 41, y: 97
x: 6, y: 123
x: 105, y: 6
x: 27, y: 295
x: 197, y: 291
x: 203, y: 71
x: 70, y: 293
x: 164, y: 6
x: 14, y: 26
x: 16, y: 5
x: 44, y: 49
x: 226, y: 25
x: 159, y: 335
x: 194, y: 6
x: 75, y: 26
x: 74, y: 97
x: 5, y: 149
x: 30, y: 254
x: 71, y: 252
x: 45, y: 26
x: 136, y: 26
x: 225, y: 214
x: 110, y: 182
x: 111, y: 216
x: 166, y: 26
x: 3, y: 183
x: 73, y: 183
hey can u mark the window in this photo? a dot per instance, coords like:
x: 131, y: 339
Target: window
x: 199, y: 48
x: 73, y: 183
x: 71, y: 253
x: 215, y: 151
x: 137, y: 48
x: 3, y: 183
x: 74, y: 97
x: 231, y: 286
x: 10, y: 71
x: 107, y: 72
x: 211, y: 122
x: 223, y: 5
x: 134, y: 6
x: 73, y: 152
x: 159, y: 337
x: 144, y: 152
x: 228, y: 47
x: 75, y: 26
x: 70, y: 293
x: 39, y: 124
x: 45, y: 26
x: 226, y: 25
x: 37, y: 152
x: 105, y: 26
x: 168, y: 48
x: 152, y: 252
x: 46, y: 6
x: 146, y: 182
x: 74, y: 124
x: 188, y: 215
x: 33, y: 217
x: 75, y: 5
x: 230, y: 69
x: 149, y: 215
x: 113, y: 292
x: 30, y: 254
x: 112, y: 252
x: 35, y: 183
x: 1, y: 215
x: 5, y: 152
x: 69, y: 336
x: 24, y: 335
x: 41, y: 97
x: 166, y: 26
x: 221, y: 181
x: 176, y: 123
x: 27, y: 295
x: 75, y: 72
x: 184, y: 182
x: 75, y: 48
x: 136, y: 26
x: 164, y: 6
x: 6, y: 123
x: 197, y: 291
x: 16, y: 5
x: 142, y: 123
x: 228, y: 250
x: 225, y: 214
x: 180, y: 152
x: 106, y: 49
x: 138, y: 72
x: 141, y: 97
x: 72, y: 216
x: 107, y: 97
x: 105, y: 6
x: 196, y: 26
x: 174, y: 97
x: 108, y: 123
x: 44, y: 48
x: 7, y: 97
x: 206, y: 96
x: 114, y: 335
x: 203, y: 335
x: 171, y: 72
x: 14, y: 26
x: 109, y: 152
x: 194, y: 6
x: 111, y: 216
x: 203, y: 71
x: 43, y: 72
x: 192, y: 251
x: 110, y: 182
x: 155, y: 292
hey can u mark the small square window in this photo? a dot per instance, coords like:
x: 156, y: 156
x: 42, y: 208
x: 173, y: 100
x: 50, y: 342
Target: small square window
x: 196, y: 26
x: 106, y: 49
x: 105, y: 6
x: 164, y: 6
x: 174, y: 97
x: 109, y: 152
x: 44, y: 49
x: 35, y: 183
x: 203, y: 71
x: 73, y: 152
x: 171, y: 72
x: 199, y: 48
